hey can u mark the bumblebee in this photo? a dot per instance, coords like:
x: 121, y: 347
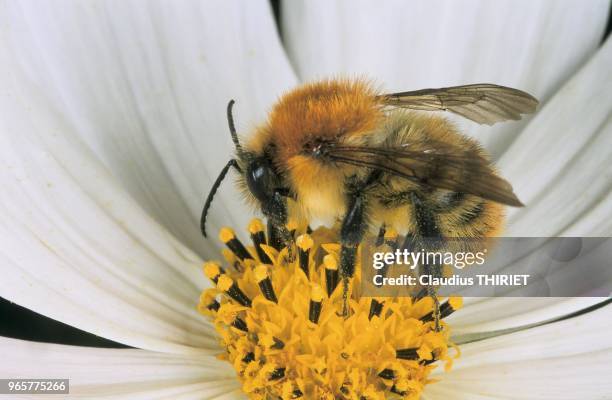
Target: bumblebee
x: 340, y: 152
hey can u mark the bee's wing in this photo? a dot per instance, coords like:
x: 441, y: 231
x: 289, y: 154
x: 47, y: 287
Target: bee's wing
x: 483, y: 103
x: 433, y: 164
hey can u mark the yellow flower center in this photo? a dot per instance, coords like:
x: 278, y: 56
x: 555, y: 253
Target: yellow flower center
x: 283, y: 330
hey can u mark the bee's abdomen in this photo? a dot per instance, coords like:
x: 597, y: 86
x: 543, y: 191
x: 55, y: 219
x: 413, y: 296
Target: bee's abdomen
x: 464, y: 215
x: 450, y: 214
x: 454, y: 213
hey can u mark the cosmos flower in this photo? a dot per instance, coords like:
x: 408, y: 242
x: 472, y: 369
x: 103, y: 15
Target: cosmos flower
x: 112, y: 129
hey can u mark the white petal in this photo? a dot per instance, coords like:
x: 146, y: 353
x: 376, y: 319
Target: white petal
x: 77, y: 248
x: 531, y: 45
x: 146, y: 86
x: 485, y: 315
x: 74, y: 246
x: 596, y: 220
x: 118, y: 373
x: 560, y: 163
x: 554, y: 361
x: 582, y: 334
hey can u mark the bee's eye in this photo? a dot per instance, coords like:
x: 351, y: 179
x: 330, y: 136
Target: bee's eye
x: 260, y: 179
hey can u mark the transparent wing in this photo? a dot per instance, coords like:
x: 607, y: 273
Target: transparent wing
x: 483, y: 103
x: 433, y: 164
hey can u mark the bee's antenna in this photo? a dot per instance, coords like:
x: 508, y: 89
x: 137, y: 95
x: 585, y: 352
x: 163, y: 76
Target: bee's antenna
x: 232, y: 127
x: 213, y: 190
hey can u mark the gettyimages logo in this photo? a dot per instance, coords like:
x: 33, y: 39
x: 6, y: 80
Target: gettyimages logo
x: 511, y: 267
x: 413, y: 259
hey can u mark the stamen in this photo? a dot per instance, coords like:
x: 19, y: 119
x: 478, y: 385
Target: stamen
x: 213, y: 271
x: 228, y: 237
x: 292, y: 226
x: 214, y: 306
x: 387, y: 374
x: 282, y: 344
x: 208, y: 302
x: 304, y: 244
x: 258, y: 237
x: 316, y: 299
x: 240, y: 324
x: 407, y: 354
x: 375, y: 309
x: 250, y: 356
x: 395, y: 390
x: 446, y: 309
x: 264, y: 282
x: 271, y: 342
x: 278, y: 344
x: 232, y: 260
x: 226, y: 284
x: 277, y: 374
x: 331, y: 273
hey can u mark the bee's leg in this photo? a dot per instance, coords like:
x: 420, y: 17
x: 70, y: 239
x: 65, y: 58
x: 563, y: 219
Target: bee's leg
x: 351, y: 233
x: 432, y: 238
x: 431, y: 292
x: 274, y: 236
x: 409, y: 244
x: 380, y: 238
x: 275, y: 210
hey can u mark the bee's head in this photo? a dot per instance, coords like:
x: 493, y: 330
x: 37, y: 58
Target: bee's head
x: 258, y: 176
x: 261, y: 179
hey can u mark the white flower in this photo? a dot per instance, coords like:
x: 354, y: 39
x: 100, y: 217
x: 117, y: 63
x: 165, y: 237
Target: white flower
x: 112, y: 129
